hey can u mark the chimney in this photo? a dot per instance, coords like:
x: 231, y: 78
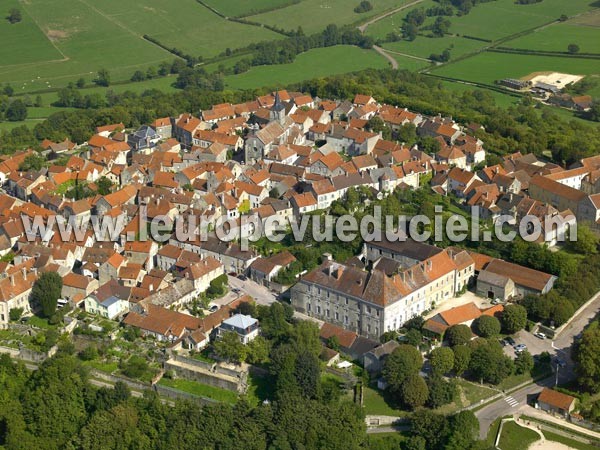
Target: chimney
x: 338, y: 273
x: 24, y: 272
x: 12, y: 280
x: 429, y: 265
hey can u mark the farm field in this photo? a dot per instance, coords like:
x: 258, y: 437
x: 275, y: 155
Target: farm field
x: 185, y: 24
x: 425, y: 46
x: 393, y: 23
x: 488, y: 67
x: 318, y: 62
x: 24, y: 42
x: 315, y: 15
x: 501, y: 18
x: 557, y: 37
x: 88, y: 40
x: 242, y: 8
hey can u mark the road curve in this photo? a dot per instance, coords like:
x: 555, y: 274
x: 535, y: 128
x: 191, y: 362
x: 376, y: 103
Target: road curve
x: 365, y: 25
x: 382, y: 52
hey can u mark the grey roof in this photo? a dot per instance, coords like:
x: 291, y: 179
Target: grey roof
x: 240, y: 321
x: 109, y: 301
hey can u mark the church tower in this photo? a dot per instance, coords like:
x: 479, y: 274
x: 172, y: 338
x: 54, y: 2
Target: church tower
x: 277, y: 110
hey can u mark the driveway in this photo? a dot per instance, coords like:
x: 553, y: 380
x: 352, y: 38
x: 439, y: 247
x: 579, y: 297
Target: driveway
x: 261, y: 295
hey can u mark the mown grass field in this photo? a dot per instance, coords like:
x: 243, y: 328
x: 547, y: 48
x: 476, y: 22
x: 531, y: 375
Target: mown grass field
x: 393, y: 23
x: 184, y: 24
x: 557, y: 37
x: 425, y: 46
x: 488, y: 67
x: 315, y: 63
x: 516, y: 437
x: 201, y: 390
x: 314, y: 15
x: 501, y: 18
x: 241, y: 8
x: 24, y: 42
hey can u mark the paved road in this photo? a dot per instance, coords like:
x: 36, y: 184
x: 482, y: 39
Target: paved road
x: 365, y: 25
x: 261, y: 294
x: 560, y: 347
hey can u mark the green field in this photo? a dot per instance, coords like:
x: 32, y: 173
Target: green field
x: 557, y: 37
x: 393, y: 23
x: 501, y: 18
x: 241, y: 8
x: 315, y: 63
x: 425, y: 46
x: 24, y: 42
x: 488, y: 67
x: 201, y: 390
x: 184, y: 24
x: 314, y: 15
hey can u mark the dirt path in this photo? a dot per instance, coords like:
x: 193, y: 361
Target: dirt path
x: 408, y: 56
x: 383, y: 53
x: 365, y: 25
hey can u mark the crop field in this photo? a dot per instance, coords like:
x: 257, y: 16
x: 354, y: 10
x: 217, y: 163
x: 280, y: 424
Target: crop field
x: 488, y: 67
x: 557, y: 37
x: 314, y: 15
x: 501, y: 18
x: 315, y: 63
x: 425, y: 46
x: 242, y: 8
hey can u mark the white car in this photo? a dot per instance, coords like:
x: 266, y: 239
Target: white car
x: 539, y: 335
x: 520, y: 348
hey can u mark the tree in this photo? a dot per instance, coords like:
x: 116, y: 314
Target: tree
x: 14, y: 16
x: 441, y: 392
x: 363, y: 7
x: 258, y: 350
x: 586, y: 243
x: 46, y: 292
x: 514, y: 318
x: 441, y: 360
x: 523, y: 363
x: 102, y: 78
x: 135, y: 367
x: 80, y: 83
x: 440, y: 26
x: 488, y: 361
x: 458, y: 335
x: 230, y: 348
x: 587, y: 356
x: 15, y: 314
x: 462, y: 358
x: 487, y: 326
x: 430, y: 426
x: 464, y: 431
x: 404, y: 361
x: 308, y: 374
x: 138, y: 75
x: 414, y: 391
x: 104, y: 186
x: 413, y: 337
x: 16, y: 111
x: 573, y: 48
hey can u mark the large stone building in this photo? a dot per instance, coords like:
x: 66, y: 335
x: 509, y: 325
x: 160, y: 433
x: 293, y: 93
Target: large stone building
x: 411, y: 279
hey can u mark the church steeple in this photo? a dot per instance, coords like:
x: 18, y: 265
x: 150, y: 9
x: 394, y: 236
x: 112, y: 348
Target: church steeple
x: 278, y: 109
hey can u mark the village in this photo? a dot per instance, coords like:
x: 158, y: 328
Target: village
x: 287, y: 155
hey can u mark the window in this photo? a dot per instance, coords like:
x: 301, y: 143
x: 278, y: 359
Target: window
x: 318, y: 310
x: 308, y: 307
x: 346, y: 320
x: 337, y: 316
x: 327, y: 313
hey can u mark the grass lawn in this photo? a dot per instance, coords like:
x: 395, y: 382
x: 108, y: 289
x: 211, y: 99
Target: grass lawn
x: 515, y: 437
x: 424, y: 46
x: 473, y: 393
x: 318, y: 62
x: 557, y: 37
x: 502, y: 100
x: 201, y: 390
x: 407, y: 63
x: 376, y: 402
x: 386, y: 441
x: 108, y: 367
x: 572, y: 443
x: 39, y: 322
x: 488, y: 67
x: 320, y: 13
x: 241, y: 8
x: 501, y: 18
